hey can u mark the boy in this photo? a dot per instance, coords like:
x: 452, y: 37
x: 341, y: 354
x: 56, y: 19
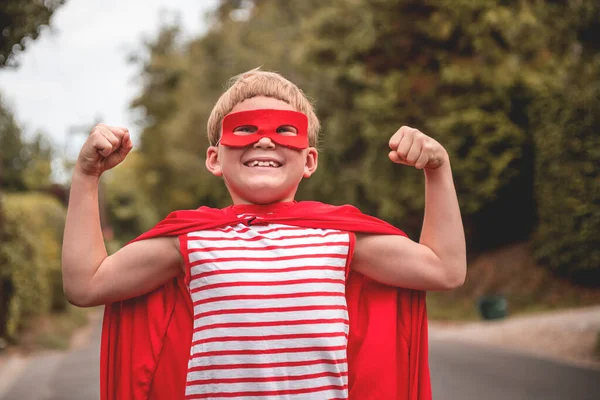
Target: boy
x: 267, y: 298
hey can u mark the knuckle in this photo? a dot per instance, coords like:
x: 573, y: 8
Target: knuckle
x: 96, y: 138
x: 100, y: 145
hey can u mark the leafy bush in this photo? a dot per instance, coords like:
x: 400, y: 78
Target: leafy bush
x: 568, y: 177
x: 30, y: 259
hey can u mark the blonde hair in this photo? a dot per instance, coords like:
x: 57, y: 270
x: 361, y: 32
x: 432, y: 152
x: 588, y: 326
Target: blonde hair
x: 261, y: 83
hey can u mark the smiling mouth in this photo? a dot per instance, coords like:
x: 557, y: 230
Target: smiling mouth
x: 259, y: 163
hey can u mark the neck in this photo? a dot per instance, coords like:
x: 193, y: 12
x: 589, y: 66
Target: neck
x: 262, y: 208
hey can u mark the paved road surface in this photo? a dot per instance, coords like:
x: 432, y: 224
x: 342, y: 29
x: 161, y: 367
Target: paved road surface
x: 468, y: 372
x: 459, y: 372
x: 56, y: 376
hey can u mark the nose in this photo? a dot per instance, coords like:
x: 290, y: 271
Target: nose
x: 264, y: 143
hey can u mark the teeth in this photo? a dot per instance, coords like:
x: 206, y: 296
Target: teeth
x: 257, y: 163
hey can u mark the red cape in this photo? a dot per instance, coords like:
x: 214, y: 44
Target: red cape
x: 146, y: 340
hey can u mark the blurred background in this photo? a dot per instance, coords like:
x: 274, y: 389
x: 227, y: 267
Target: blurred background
x: 510, y: 88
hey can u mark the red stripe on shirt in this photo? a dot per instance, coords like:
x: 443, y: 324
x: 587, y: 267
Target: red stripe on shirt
x: 272, y: 247
x: 271, y: 323
x: 281, y: 258
x: 268, y: 270
x: 290, y: 336
x: 255, y: 238
x: 266, y: 393
x: 269, y: 310
x: 267, y: 296
x: 242, y: 352
x: 292, y: 364
x: 273, y: 283
x: 267, y: 378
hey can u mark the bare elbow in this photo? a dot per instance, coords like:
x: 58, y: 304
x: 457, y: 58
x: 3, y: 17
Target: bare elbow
x: 455, y: 279
x: 450, y: 278
x: 76, y: 300
x: 456, y: 282
x: 77, y: 296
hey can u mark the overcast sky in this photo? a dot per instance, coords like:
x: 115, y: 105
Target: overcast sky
x: 79, y: 71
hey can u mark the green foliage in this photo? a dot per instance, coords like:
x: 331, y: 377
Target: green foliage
x: 128, y: 206
x: 30, y: 259
x: 168, y: 165
x: 568, y: 175
x: 181, y: 85
x: 11, y: 142
x: 502, y: 85
x: 24, y: 164
x: 442, y: 68
x: 597, y: 346
x: 20, y: 21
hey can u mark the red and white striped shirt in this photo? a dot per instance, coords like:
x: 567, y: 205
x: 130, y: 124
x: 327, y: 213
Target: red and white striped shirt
x: 270, y: 316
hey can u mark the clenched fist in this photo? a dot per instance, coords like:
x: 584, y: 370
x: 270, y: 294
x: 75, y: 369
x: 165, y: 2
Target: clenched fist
x: 105, y: 148
x: 412, y: 147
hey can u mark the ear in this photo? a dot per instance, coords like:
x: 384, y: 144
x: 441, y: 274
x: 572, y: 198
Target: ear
x: 312, y: 161
x: 212, y: 161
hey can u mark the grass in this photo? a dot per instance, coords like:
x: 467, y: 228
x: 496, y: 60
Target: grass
x: 443, y: 308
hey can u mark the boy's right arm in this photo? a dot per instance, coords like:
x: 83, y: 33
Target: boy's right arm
x: 90, y: 276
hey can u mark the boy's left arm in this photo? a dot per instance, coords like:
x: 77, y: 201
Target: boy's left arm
x: 438, y: 261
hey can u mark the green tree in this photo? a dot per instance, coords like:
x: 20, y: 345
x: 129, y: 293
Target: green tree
x: 510, y: 88
x: 30, y: 277
x: 11, y: 142
x: 502, y: 85
x: 129, y: 209
x: 20, y: 21
x: 23, y: 165
x: 566, y: 115
x: 183, y: 81
x: 29, y: 230
x: 445, y: 68
x: 26, y: 164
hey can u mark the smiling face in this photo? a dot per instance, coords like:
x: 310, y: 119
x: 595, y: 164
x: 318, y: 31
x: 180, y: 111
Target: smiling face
x: 263, y: 172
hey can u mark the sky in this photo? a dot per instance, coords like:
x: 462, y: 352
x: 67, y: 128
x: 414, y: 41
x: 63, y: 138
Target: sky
x: 77, y: 72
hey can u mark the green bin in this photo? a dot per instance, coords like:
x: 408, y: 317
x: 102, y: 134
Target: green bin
x: 492, y: 307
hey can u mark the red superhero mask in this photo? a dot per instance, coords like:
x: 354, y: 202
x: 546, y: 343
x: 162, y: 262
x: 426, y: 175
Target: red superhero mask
x: 286, y: 128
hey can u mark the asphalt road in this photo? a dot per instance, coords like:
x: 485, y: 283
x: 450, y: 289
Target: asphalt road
x: 459, y: 372
x: 72, y: 375
x: 462, y: 371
